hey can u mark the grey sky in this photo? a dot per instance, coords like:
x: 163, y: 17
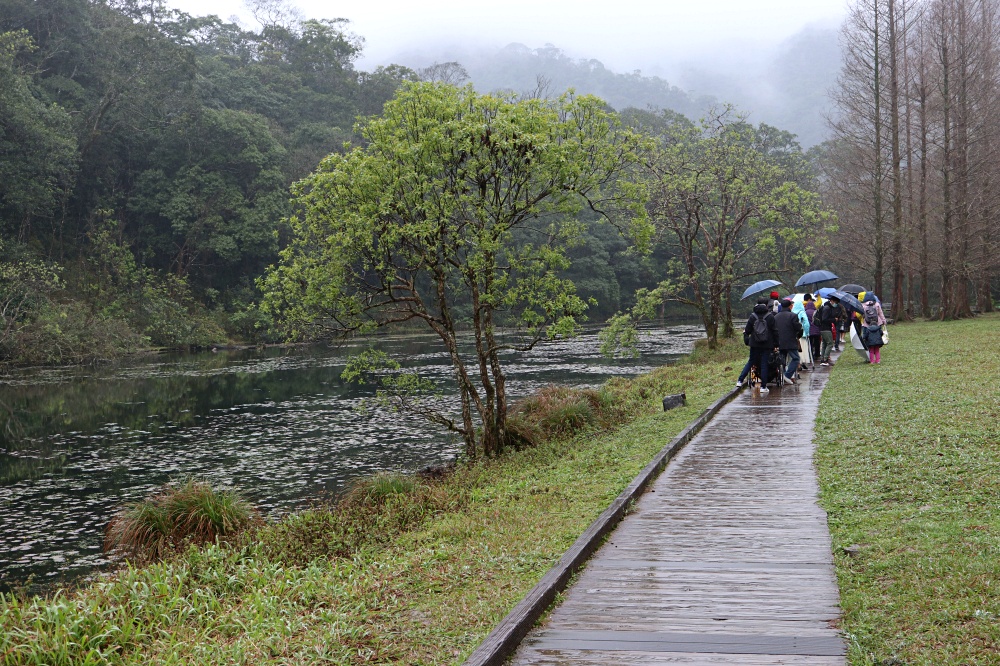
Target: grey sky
x: 625, y: 34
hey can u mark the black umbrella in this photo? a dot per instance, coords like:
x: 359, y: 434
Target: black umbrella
x: 757, y: 287
x: 815, y: 277
x: 851, y: 289
x: 848, y: 300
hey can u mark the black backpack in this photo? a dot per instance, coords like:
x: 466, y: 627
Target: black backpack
x: 760, y: 335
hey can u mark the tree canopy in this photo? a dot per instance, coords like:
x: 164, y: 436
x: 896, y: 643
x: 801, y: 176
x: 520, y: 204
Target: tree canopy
x: 729, y: 199
x: 457, y: 214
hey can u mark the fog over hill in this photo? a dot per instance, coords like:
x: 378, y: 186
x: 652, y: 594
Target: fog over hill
x: 785, y: 85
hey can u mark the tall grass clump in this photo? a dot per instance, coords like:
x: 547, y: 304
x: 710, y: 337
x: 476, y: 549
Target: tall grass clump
x: 175, y: 517
x: 556, y: 412
x: 373, y: 512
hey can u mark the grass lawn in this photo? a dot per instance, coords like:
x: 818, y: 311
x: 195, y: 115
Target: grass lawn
x: 420, y: 579
x: 909, y: 464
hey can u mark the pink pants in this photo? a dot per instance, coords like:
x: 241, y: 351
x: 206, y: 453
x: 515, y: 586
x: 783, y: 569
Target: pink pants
x: 874, y: 354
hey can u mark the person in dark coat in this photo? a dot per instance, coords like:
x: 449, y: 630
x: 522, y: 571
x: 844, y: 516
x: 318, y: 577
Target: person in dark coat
x: 789, y: 330
x: 829, y: 314
x: 760, y: 350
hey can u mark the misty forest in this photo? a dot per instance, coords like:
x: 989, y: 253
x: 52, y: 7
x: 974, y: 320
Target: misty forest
x: 169, y: 180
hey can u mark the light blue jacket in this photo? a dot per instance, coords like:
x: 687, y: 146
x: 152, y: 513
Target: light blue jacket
x: 799, y: 309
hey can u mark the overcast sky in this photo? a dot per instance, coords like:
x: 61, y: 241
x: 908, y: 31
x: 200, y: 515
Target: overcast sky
x: 625, y: 34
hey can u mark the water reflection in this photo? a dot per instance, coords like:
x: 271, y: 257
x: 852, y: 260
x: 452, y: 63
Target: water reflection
x: 279, y: 425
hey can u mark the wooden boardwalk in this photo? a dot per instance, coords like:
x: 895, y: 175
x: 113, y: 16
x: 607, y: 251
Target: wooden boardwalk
x: 725, y: 560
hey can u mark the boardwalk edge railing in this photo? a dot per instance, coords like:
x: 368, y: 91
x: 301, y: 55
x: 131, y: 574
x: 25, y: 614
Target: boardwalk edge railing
x: 507, y: 636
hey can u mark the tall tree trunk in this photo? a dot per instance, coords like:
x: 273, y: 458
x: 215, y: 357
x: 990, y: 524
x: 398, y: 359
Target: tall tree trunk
x: 878, y: 181
x: 896, y: 256
x: 924, y: 263
x: 963, y: 117
x: 947, y: 268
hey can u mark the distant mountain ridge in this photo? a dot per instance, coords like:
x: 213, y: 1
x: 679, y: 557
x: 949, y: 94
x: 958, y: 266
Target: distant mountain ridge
x: 787, y: 89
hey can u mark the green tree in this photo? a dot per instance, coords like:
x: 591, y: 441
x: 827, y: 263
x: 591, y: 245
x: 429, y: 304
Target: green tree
x: 216, y: 196
x: 458, y: 213
x: 726, y: 198
x: 37, y: 147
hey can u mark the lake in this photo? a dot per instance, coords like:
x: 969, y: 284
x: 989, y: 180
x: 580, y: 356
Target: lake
x: 279, y: 425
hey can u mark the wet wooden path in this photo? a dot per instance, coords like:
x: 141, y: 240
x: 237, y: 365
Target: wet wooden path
x: 725, y: 560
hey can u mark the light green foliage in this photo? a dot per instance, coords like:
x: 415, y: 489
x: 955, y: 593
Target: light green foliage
x: 24, y: 284
x: 457, y: 214
x: 732, y: 202
x: 159, y: 307
x: 909, y: 468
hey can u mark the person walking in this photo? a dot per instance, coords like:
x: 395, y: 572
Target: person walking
x: 774, y: 303
x: 809, y: 305
x: 874, y: 320
x: 761, y: 336
x: 789, y: 329
x: 805, y: 353
x: 827, y: 317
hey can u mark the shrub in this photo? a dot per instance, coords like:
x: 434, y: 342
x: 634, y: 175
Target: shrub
x: 175, y: 517
x: 557, y: 411
x: 372, y: 512
x: 71, y: 333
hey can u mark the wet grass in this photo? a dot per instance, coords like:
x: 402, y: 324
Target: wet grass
x: 909, y: 462
x: 403, y: 571
x: 176, y: 516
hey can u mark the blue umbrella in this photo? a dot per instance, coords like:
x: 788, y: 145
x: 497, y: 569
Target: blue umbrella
x: 758, y: 287
x: 825, y: 291
x: 815, y: 277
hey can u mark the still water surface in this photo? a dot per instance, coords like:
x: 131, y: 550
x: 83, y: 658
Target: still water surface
x: 279, y: 425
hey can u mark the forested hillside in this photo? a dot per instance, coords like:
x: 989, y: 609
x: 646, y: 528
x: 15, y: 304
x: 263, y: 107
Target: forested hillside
x: 146, y: 158
x: 145, y: 161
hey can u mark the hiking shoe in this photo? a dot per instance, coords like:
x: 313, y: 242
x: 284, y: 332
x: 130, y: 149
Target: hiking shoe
x: 764, y: 389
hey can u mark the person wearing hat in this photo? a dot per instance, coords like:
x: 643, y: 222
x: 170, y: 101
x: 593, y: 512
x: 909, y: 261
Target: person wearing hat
x: 761, y: 340
x: 774, y: 303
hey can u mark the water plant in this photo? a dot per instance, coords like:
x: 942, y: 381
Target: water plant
x: 176, y: 516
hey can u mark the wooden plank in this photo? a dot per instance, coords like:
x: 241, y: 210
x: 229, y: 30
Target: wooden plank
x: 597, y: 658
x: 663, y: 641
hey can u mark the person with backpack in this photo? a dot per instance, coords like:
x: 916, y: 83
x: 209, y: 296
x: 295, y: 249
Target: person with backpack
x: 874, y: 320
x: 827, y: 317
x: 789, y: 330
x: 761, y: 336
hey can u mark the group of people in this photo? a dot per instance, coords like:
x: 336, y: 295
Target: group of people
x: 776, y: 325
